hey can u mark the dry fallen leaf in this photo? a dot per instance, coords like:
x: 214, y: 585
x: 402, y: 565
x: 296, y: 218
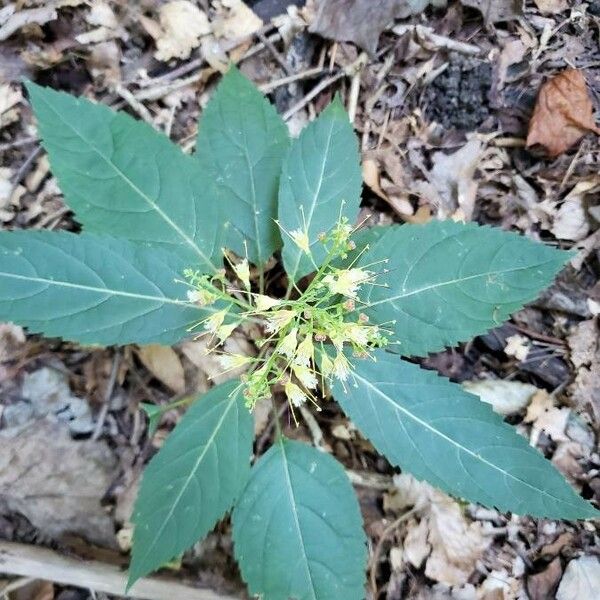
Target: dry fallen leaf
x: 235, y: 20
x: 57, y: 483
x: 362, y: 21
x: 563, y: 113
x: 456, y: 543
x: 571, y: 222
x: 547, y: 418
x: 581, y: 580
x: 506, y: 397
x: 453, y: 175
x: 551, y: 7
x: 182, y: 24
x: 164, y: 364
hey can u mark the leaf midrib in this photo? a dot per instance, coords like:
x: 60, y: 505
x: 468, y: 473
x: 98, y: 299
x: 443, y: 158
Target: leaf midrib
x: 99, y: 290
x: 290, y: 491
x: 193, y: 471
x: 315, y: 195
x: 442, y: 284
x: 455, y: 443
x: 188, y: 240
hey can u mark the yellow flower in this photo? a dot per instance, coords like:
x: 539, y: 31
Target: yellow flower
x: 233, y: 361
x: 289, y: 343
x: 224, y: 331
x: 358, y: 334
x: 265, y: 302
x: 326, y: 365
x: 346, y: 282
x: 305, y: 376
x: 201, y: 297
x: 301, y: 240
x: 279, y: 319
x: 341, y: 367
x: 295, y: 395
x: 305, y: 351
x: 242, y: 270
x: 215, y: 320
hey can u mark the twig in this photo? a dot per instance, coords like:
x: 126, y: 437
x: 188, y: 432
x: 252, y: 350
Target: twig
x: 355, y: 86
x: 268, y: 87
x: 18, y: 143
x: 426, y: 34
x: 40, y: 563
x: 24, y: 169
x: 276, y: 54
x: 137, y: 106
x: 313, y: 427
x: 377, y: 552
x: 110, y: 386
x: 375, y: 481
x: 314, y: 92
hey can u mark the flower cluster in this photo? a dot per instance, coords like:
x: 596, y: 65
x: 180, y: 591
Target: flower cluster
x: 310, y: 336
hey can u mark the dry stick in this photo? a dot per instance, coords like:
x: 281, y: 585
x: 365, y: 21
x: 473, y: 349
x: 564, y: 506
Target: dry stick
x: 41, y: 563
x: 139, y: 108
x: 355, y: 86
x: 276, y: 54
x: 112, y: 379
x: 268, y: 87
x: 314, y: 92
x: 18, y: 143
x: 377, y: 553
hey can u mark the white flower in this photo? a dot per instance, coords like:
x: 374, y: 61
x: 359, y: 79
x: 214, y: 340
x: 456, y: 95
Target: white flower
x: 305, y: 351
x: 201, y: 297
x: 233, y: 361
x: 301, y: 240
x: 289, y: 343
x: 279, y: 319
x: 215, y: 320
x: 341, y: 367
x: 326, y: 365
x: 224, y: 331
x: 358, y: 334
x: 295, y: 395
x: 242, y: 270
x: 265, y: 302
x: 305, y: 376
x: 346, y: 282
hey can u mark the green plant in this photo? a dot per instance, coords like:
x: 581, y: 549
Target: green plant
x: 149, y: 268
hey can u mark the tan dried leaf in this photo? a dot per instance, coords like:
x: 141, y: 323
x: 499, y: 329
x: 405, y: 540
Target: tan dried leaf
x: 56, y: 482
x: 563, y: 113
x: 164, y: 364
x: 551, y: 7
x: 182, y: 24
x: 236, y: 20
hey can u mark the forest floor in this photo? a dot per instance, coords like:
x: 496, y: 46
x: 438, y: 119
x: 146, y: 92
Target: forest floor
x: 442, y: 96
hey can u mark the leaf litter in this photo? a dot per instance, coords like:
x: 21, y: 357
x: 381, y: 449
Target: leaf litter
x: 446, y: 113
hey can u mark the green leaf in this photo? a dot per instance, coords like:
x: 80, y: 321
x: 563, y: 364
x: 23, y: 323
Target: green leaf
x: 241, y: 144
x: 193, y: 480
x: 451, y: 281
x: 297, y: 528
x: 123, y: 178
x: 321, y: 170
x: 93, y: 289
x: 154, y: 414
x: 437, y: 431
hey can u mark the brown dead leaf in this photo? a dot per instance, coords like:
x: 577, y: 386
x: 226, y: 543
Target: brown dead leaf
x: 57, y: 483
x: 543, y: 585
x: 546, y: 417
x: 362, y: 21
x: 563, y: 113
x: 12, y: 338
x: 164, y: 364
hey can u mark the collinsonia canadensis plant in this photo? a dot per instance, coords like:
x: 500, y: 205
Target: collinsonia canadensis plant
x: 166, y: 252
